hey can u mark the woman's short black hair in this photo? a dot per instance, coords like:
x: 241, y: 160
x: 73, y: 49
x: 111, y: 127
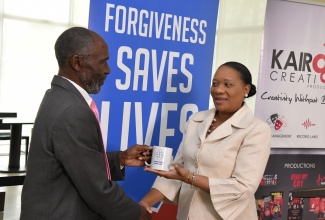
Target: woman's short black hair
x: 245, y: 75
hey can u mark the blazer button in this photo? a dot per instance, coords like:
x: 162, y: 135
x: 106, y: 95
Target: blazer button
x: 196, y: 164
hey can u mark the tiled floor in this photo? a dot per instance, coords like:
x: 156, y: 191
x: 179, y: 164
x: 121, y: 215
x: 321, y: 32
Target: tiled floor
x: 12, y: 203
x: 13, y: 193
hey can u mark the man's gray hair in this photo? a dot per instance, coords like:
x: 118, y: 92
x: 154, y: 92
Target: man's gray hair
x: 73, y: 41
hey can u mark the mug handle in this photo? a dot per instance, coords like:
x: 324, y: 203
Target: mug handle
x: 147, y: 164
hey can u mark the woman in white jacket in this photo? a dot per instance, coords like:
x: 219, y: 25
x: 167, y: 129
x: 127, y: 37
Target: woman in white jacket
x: 222, y: 157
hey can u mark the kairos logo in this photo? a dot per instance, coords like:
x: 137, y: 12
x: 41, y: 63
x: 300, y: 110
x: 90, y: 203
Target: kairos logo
x: 284, y: 63
x: 320, y: 58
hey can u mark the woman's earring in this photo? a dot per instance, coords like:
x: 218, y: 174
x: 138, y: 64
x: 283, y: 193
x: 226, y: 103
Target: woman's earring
x: 246, y: 95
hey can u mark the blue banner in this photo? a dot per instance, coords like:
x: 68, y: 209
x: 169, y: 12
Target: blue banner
x: 161, y: 55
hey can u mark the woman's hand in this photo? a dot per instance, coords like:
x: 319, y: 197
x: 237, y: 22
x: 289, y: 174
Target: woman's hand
x: 178, y: 173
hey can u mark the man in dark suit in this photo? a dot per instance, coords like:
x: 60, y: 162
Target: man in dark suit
x: 67, y: 177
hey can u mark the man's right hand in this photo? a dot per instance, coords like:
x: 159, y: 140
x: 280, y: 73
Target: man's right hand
x: 135, y: 156
x: 144, y: 215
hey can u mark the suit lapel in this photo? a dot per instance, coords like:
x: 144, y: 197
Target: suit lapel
x: 65, y: 84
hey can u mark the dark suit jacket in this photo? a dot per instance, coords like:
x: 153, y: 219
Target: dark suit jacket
x: 66, y: 174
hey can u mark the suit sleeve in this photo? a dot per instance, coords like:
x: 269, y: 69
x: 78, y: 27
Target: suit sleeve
x: 78, y: 147
x: 117, y: 173
x: 231, y: 196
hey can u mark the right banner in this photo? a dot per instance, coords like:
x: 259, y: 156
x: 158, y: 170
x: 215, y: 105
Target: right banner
x: 291, y: 85
x: 291, y: 99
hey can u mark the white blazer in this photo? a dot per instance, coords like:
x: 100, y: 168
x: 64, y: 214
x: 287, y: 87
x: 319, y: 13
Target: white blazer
x: 233, y: 157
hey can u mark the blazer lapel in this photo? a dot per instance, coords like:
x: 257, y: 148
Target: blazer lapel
x: 241, y: 119
x: 220, y: 132
x: 204, y: 119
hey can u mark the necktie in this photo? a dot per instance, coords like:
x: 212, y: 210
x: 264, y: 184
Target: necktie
x: 95, y: 110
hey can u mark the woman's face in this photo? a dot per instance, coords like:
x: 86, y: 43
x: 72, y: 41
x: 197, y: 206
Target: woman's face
x: 228, y: 90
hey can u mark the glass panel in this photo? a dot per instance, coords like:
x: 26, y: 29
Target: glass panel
x: 239, y: 35
x: 28, y: 65
x: 80, y: 13
x: 48, y: 10
x: 242, y: 13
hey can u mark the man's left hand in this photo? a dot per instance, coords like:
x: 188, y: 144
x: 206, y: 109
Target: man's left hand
x: 135, y: 156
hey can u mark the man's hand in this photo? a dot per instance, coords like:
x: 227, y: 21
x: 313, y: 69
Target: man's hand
x: 146, y: 206
x: 145, y: 215
x: 135, y: 156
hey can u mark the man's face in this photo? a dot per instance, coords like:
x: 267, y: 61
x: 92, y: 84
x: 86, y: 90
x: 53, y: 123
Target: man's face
x: 94, y: 67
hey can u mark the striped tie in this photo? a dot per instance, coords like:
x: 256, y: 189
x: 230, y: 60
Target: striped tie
x: 95, y: 110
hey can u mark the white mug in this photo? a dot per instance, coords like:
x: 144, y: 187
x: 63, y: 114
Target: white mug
x: 161, y: 158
